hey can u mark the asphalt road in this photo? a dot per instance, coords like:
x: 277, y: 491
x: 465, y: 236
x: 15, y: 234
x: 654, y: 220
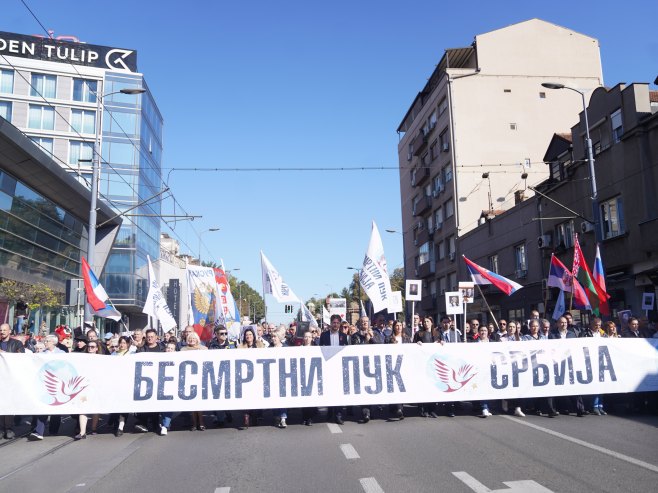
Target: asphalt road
x: 461, y: 454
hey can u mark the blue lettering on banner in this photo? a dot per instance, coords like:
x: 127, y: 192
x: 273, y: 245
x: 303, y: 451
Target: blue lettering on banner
x: 564, y: 371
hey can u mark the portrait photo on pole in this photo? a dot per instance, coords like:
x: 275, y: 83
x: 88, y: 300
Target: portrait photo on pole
x: 414, y: 290
x: 467, y: 291
x: 454, y: 304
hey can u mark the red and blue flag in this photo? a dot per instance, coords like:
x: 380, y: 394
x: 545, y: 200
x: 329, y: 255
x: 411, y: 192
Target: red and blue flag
x: 480, y: 275
x: 96, y: 295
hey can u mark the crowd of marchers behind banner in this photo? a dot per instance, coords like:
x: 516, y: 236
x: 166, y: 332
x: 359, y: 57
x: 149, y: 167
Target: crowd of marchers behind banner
x: 337, y: 333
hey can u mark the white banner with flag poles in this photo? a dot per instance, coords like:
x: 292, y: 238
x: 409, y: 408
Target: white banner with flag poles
x: 155, y: 305
x: 78, y: 383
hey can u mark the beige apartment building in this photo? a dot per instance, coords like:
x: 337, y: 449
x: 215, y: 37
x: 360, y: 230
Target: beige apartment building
x: 475, y: 136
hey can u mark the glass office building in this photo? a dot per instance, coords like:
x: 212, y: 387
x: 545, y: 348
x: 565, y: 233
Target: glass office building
x: 66, y: 107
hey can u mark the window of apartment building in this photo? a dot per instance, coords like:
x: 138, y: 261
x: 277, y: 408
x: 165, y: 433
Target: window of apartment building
x: 425, y: 159
x: 564, y: 234
x: 451, y: 245
x: 443, y: 106
x: 43, y: 86
x: 83, y: 121
x: 617, y: 127
x: 432, y: 120
x: 424, y: 253
x: 45, y: 144
x: 438, y: 183
x: 84, y: 90
x: 79, y: 150
x: 438, y: 217
x: 442, y: 250
x: 410, y: 151
x: 612, y: 217
x: 415, y: 203
x: 442, y: 285
x: 41, y: 117
x: 493, y: 263
x: 520, y: 261
x: 516, y: 314
x: 452, y: 281
x: 7, y: 81
x: 447, y: 173
x: 557, y: 170
x: 412, y: 176
x: 428, y: 190
x: 433, y: 150
x: 433, y: 289
x: 450, y: 208
x: 5, y: 110
x: 444, y: 144
x: 430, y: 223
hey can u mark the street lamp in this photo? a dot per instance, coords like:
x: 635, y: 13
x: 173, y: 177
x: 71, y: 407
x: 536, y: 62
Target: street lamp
x: 590, y: 155
x: 358, y: 271
x: 200, y: 235
x: 95, y: 175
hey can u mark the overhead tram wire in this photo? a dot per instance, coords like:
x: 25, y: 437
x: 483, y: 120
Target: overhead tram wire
x: 134, y: 144
x: 138, y: 148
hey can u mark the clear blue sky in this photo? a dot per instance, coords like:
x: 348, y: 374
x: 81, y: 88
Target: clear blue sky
x: 306, y: 84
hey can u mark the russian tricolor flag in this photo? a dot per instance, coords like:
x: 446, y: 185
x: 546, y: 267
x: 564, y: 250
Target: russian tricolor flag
x: 96, y: 295
x: 481, y: 275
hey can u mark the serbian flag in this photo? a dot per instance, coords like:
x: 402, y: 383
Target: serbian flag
x: 559, y: 276
x: 96, y: 295
x: 480, y: 275
x: 598, y: 298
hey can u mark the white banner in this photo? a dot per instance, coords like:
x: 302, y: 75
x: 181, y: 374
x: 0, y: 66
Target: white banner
x: 374, y: 274
x: 273, y: 283
x: 337, y: 306
x: 292, y: 377
x: 155, y: 304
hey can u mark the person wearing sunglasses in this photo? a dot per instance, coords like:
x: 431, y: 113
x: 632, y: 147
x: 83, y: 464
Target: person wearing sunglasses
x: 221, y: 341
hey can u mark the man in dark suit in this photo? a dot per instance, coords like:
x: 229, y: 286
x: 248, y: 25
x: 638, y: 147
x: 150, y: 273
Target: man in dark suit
x: 8, y: 345
x: 563, y: 332
x: 334, y: 337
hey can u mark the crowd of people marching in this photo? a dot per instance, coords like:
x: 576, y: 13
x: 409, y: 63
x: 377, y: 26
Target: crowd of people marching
x: 338, y: 333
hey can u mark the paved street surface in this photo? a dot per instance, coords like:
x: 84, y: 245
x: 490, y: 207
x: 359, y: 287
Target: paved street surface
x: 461, y: 454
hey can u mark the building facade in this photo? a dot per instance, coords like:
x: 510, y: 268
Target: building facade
x: 66, y: 97
x: 474, y: 138
x: 43, y: 224
x: 623, y: 219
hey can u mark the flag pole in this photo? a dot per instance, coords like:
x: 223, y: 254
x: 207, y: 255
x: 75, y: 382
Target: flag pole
x: 546, y: 293
x: 488, y: 308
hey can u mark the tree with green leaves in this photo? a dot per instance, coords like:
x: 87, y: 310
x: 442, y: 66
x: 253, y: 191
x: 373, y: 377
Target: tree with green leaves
x: 35, y: 296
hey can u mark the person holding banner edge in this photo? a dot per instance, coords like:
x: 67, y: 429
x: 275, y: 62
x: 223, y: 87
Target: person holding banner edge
x: 334, y: 337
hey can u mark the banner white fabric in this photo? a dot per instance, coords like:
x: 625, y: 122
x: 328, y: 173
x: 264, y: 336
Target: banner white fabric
x: 273, y: 283
x: 155, y: 304
x: 374, y: 274
x: 291, y: 377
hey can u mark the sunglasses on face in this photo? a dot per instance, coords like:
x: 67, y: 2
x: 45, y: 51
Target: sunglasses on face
x: 222, y: 333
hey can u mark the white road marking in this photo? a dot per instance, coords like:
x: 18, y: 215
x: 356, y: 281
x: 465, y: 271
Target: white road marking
x: 524, y: 486
x: 370, y: 485
x: 611, y: 453
x: 224, y: 489
x: 349, y: 452
x: 334, y: 428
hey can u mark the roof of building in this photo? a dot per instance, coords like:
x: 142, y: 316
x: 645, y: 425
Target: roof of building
x: 653, y: 96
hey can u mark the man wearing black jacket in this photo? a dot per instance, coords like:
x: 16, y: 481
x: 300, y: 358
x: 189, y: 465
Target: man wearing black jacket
x: 334, y: 337
x: 8, y: 345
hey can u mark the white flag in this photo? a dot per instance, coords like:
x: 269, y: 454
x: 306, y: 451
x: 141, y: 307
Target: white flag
x: 326, y: 316
x: 363, y: 310
x: 560, y: 306
x: 155, y: 304
x: 374, y: 275
x: 307, y: 316
x: 273, y: 283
